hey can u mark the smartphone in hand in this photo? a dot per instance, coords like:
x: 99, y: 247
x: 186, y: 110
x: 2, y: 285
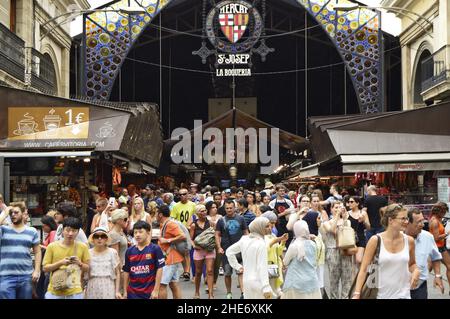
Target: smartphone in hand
x: 111, y: 201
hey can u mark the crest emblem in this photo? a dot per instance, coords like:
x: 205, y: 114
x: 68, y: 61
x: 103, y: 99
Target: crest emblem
x: 233, y: 25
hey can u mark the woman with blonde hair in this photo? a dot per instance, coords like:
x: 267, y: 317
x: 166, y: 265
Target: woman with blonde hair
x: 201, y: 255
x: 138, y: 213
x: 397, y: 270
x: 152, y: 208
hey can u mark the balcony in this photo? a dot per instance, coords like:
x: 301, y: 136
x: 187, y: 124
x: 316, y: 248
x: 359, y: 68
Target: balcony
x: 436, y: 75
x: 12, y: 56
x: 43, y: 75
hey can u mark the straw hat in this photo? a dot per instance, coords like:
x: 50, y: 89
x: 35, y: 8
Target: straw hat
x: 93, y: 188
x: 99, y: 230
x: 268, y: 185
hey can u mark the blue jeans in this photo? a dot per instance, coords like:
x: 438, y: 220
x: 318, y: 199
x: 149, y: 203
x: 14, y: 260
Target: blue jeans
x: 373, y: 231
x: 15, y: 287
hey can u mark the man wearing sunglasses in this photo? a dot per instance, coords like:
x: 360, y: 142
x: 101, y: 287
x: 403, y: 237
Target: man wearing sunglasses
x: 183, y: 212
x: 16, y: 265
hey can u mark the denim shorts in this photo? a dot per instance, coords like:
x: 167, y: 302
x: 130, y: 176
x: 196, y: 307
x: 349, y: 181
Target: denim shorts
x: 171, y: 273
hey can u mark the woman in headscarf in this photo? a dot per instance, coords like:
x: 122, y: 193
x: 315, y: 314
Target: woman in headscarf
x: 254, y: 258
x: 275, y: 246
x: 301, y: 280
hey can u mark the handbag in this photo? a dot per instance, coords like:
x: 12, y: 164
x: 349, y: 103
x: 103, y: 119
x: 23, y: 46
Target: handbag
x: 206, y: 240
x: 345, y: 236
x: 273, y: 271
x: 369, y: 289
x: 66, y: 278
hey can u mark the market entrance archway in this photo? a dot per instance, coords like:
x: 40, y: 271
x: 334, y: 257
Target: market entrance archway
x: 109, y: 37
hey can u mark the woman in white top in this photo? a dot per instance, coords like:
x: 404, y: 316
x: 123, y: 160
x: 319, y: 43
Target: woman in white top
x: 397, y: 269
x: 254, y: 257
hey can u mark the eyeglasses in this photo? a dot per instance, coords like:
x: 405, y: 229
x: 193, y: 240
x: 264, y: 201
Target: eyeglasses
x: 305, y: 201
x: 183, y: 194
x: 100, y: 236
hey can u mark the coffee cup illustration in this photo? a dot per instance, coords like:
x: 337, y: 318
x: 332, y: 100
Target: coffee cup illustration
x: 27, y: 125
x: 51, y: 123
x: 106, y: 131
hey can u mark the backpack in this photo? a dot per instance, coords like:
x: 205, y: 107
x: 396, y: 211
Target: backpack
x: 182, y: 246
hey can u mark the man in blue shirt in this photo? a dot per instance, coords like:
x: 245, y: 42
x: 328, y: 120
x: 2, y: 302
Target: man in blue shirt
x: 16, y: 264
x: 425, y: 247
x: 244, y: 212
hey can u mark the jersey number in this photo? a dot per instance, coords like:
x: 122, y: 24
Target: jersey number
x: 184, y: 216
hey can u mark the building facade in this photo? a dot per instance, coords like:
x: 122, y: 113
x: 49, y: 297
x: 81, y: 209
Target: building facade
x: 35, y: 44
x: 425, y: 42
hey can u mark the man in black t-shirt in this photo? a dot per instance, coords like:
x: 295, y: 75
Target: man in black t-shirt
x: 372, y: 206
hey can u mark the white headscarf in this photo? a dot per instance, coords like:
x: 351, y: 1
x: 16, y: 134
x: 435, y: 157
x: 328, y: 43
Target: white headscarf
x: 258, y: 227
x: 301, y: 232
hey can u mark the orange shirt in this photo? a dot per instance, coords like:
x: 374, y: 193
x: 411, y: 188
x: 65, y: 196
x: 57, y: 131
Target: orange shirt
x: 440, y: 243
x: 172, y: 230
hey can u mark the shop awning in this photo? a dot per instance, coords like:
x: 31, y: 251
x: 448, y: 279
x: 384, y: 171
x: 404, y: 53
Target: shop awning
x: 422, y: 130
x: 395, y: 162
x: 36, y: 122
x: 45, y: 154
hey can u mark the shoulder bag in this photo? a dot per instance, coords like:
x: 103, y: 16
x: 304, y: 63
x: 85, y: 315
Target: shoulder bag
x: 63, y: 279
x: 207, y: 239
x: 369, y: 289
x: 345, y: 236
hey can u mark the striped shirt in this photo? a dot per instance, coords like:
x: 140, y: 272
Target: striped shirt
x: 142, y: 266
x: 15, y: 256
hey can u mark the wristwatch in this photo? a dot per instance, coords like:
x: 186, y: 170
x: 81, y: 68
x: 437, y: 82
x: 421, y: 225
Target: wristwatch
x: 438, y: 276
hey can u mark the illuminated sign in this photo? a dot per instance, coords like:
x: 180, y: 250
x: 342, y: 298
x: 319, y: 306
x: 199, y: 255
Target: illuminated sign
x: 48, y: 123
x: 233, y: 27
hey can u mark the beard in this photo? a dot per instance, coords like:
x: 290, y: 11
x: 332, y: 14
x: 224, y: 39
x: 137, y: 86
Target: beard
x: 17, y: 220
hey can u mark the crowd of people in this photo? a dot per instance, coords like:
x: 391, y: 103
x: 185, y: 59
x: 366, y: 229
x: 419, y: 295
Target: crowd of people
x: 140, y: 244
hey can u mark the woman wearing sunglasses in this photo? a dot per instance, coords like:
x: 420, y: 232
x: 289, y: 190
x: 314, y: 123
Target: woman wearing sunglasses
x: 360, y: 222
x: 104, y: 268
x: 397, y: 271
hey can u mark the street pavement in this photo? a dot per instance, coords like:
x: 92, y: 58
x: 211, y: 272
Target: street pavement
x: 188, y: 290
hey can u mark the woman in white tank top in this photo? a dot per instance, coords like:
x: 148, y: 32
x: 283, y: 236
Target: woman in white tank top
x: 397, y: 269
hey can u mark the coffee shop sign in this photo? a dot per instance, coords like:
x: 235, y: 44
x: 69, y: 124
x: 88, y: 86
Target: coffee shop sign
x: 48, y: 123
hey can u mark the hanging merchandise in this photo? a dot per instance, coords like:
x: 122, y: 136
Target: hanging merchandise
x: 116, y: 176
